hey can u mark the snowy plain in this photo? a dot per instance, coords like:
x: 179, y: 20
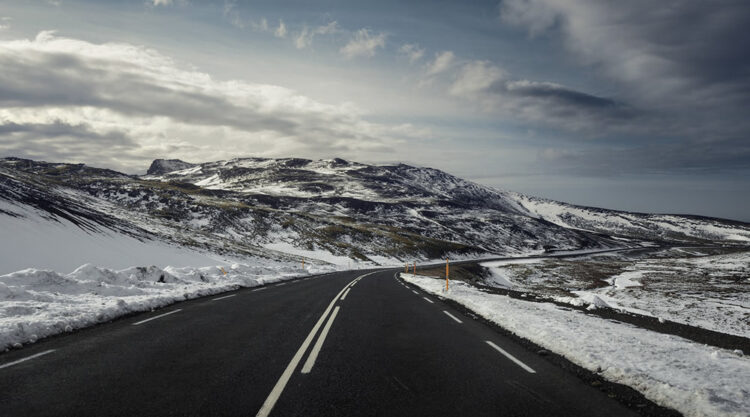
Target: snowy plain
x: 680, y: 285
x: 694, y: 379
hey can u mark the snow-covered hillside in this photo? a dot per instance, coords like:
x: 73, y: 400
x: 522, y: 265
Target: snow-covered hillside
x: 326, y: 210
x: 650, y: 226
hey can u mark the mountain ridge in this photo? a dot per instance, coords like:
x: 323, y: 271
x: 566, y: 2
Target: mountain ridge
x: 302, y: 208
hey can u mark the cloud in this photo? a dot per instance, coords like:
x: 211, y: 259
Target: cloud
x: 306, y: 36
x: 686, y: 60
x: 412, y: 51
x: 280, y: 31
x: 442, y: 62
x: 61, y: 92
x: 363, y: 44
x: 232, y: 14
x: 162, y: 2
x: 261, y: 25
x: 553, y: 104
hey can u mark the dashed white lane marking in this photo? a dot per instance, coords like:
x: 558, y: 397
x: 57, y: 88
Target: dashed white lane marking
x: 511, y: 357
x: 310, y: 362
x: 259, y: 289
x: 221, y: 298
x: 46, y: 352
x: 453, y: 317
x: 428, y: 300
x: 415, y: 292
x: 156, y: 317
x: 265, y: 410
x: 345, y: 293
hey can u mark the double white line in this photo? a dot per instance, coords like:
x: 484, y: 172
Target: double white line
x: 265, y: 410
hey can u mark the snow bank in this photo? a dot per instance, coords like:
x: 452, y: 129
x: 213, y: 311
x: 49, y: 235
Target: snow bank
x: 695, y: 379
x: 38, y: 303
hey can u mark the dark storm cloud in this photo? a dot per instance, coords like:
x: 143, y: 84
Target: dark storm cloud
x: 689, y: 53
x: 59, y: 141
x: 683, y: 64
x: 553, y: 104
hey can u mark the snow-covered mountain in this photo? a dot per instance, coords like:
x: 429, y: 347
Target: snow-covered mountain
x: 330, y: 210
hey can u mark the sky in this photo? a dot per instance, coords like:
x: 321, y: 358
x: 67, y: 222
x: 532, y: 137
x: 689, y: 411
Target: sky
x: 636, y: 105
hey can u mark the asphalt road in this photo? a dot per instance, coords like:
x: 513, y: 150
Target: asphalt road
x: 382, y: 350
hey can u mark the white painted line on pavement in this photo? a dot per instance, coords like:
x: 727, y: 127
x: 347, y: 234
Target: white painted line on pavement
x: 415, y: 292
x: 511, y: 357
x: 265, y: 410
x: 310, y: 362
x: 5, y: 365
x: 345, y: 293
x: 259, y: 289
x: 157, y: 317
x: 428, y: 300
x: 452, y: 316
x: 280, y: 284
x: 221, y: 298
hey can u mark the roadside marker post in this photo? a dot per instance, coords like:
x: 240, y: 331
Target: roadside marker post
x: 303, y: 264
x: 406, y: 267
x: 414, y: 271
x: 447, y: 273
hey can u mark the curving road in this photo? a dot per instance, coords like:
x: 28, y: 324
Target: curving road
x: 341, y: 344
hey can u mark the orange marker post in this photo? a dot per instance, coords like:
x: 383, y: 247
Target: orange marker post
x: 447, y: 273
x: 303, y: 264
x: 406, y: 267
x: 222, y: 270
x: 414, y: 271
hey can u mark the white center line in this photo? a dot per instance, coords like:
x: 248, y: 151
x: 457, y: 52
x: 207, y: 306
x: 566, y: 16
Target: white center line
x: 26, y: 358
x: 428, y: 300
x: 156, y: 317
x: 452, y: 316
x: 310, y: 362
x: 511, y: 357
x: 265, y: 410
x: 259, y: 289
x: 221, y: 298
x: 345, y: 293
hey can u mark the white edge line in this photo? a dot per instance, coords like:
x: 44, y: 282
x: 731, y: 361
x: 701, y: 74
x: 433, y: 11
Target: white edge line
x: 280, y: 284
x: 221, y: 298
x: 156, y: 317
x: 428, y: 300
x: 259, y: 289
x: 310, y: 362
x: 511, y: 357
x: 26, y: 358
x: 345, y: 293
x: 415, y: 292
x: 265, y: 410
x: 453, y: 317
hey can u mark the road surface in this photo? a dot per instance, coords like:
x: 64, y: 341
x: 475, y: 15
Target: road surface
x: 343, y: 344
